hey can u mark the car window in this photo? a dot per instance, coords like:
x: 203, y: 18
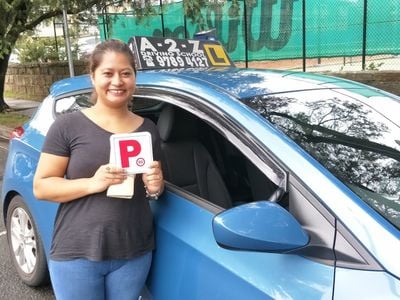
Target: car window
x: 356, y: 142
x: 73, y: 103
x: 202, y: 161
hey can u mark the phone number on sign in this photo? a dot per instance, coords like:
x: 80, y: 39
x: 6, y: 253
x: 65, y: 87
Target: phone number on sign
x: 171, y: 61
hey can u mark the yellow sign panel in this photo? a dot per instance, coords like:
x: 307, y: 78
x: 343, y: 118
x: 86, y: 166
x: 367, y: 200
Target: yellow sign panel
x: 217, y: 55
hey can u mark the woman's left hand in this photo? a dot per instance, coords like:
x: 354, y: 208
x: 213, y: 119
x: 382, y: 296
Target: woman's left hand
x: 153, y: 179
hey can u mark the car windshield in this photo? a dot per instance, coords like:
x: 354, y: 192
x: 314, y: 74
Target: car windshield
x: 355, y: 138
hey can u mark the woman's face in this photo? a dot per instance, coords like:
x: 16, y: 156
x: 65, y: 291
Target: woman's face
x: 114, y: 79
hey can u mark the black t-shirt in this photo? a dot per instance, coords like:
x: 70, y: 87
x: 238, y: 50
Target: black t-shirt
x: 97, y: 227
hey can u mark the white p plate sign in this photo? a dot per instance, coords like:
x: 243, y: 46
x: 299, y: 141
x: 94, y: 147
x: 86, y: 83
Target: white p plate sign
x: 132, y: 151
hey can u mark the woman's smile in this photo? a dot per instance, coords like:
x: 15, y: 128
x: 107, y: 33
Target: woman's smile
x: 116, y: 92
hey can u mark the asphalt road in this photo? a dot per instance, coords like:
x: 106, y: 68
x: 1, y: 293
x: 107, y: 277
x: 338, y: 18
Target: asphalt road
x: 11, y: 287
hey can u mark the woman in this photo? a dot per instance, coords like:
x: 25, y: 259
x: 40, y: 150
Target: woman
x: 101, y: 247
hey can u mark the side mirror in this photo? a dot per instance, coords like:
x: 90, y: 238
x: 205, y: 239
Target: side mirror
x: 259, y: 226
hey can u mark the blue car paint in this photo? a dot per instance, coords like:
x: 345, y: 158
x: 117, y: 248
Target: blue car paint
x: 186, y: 248
x: 365, y: 285
x: 69, y: 85
x: 241, y: 83
x: 243, y: 227
x: 22, y: 163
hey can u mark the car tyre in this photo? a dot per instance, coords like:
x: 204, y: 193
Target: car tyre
x: 25, y: 244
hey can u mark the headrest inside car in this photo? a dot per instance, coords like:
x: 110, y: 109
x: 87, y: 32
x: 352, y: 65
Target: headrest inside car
x: 176, y: 124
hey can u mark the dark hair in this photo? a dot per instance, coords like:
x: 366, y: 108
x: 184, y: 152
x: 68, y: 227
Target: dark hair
x: 111, y: 45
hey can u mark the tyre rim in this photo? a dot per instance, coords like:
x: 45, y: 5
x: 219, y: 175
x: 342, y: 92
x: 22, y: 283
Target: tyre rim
x: 23, y: 241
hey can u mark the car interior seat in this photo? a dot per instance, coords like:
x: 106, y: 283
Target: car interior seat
x: 186, y: 162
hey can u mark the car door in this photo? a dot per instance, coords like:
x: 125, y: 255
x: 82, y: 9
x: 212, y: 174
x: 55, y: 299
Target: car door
x: 188, y: 263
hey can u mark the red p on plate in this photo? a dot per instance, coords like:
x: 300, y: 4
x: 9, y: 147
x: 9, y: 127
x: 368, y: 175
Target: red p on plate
x: 128, y: 148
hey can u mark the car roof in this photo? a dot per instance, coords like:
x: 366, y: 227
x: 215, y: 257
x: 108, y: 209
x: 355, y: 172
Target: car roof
x: 240, y: 83
x: 70, y: 84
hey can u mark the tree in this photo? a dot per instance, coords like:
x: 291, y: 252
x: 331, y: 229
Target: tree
x: 33, y: 48
x: 19, y: 16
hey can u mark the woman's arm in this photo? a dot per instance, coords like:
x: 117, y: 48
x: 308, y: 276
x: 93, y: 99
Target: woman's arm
x: 49, y: 182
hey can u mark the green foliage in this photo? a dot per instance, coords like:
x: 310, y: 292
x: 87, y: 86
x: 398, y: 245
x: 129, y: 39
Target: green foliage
x: 24, y: 15
x: 192, y: 9
x: 12, y: 119
x: 43, y: 49
x: 33, y: 48
x: 19, y: 16
x: 234, y: 9
x: 374, y: 67
x: 143, y: 8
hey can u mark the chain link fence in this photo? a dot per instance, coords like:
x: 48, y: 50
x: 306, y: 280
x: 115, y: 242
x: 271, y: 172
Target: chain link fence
x: 324, y: 35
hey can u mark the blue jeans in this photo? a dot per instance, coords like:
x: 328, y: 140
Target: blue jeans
x: 98, y: 280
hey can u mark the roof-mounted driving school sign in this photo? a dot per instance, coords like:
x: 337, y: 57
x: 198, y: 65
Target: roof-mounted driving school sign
x: 167, y: 53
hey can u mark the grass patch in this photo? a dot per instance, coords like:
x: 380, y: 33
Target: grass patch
x: 12, y: 120
x: 15, y: 95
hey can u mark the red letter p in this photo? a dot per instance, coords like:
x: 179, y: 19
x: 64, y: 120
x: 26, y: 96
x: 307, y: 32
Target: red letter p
x: 128, y: 148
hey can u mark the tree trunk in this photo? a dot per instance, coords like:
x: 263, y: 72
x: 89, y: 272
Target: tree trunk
x: 3, y: 70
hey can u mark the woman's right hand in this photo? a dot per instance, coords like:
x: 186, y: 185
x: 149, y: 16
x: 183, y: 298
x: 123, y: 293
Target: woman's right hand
x: 105, y: 176
x: 51, y: 172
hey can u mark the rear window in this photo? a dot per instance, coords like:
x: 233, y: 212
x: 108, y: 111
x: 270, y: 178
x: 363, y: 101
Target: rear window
x: 73, y: 103
x: 355, y: 140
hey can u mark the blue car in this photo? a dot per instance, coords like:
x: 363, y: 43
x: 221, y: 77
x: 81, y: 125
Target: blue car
x: 280, y: 185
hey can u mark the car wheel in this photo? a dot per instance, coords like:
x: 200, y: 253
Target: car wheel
x: 26, y: 247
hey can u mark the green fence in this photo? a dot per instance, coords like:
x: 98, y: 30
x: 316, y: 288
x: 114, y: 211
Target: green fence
x: 277, y: 29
